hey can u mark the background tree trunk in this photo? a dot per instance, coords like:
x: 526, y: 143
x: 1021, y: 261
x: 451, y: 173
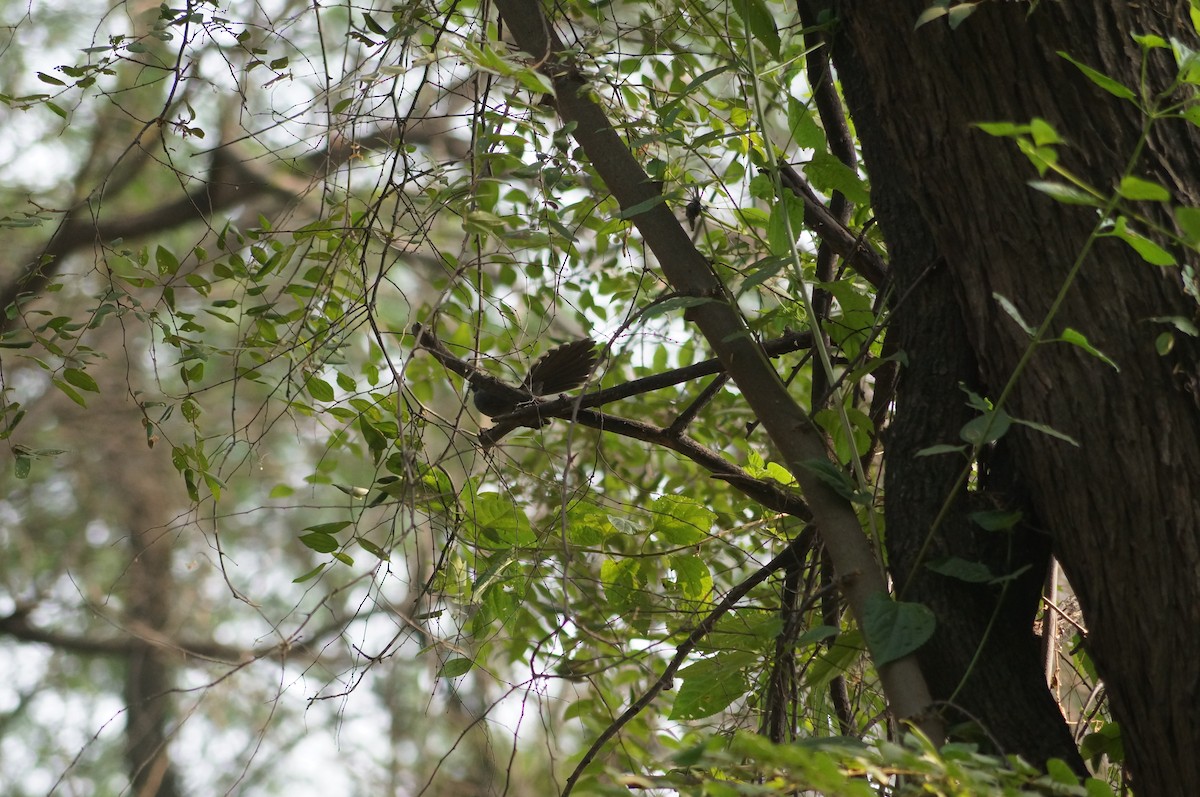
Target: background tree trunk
x: 1122, y: 509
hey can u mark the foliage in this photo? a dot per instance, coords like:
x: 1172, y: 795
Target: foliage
x: 748, y: 764
x: 336, y: 189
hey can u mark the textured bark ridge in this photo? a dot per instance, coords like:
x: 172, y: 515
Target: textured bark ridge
x: 1123, y: 509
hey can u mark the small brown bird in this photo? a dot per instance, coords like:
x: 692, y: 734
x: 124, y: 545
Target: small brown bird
x: 562, y: 368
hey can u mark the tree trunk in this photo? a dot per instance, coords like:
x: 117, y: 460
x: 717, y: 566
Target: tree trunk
x: 1004, y: 687
x: 149, y: 675
x: 1122, y: 509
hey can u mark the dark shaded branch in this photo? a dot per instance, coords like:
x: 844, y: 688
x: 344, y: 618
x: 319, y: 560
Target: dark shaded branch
x: 841, y: 144
x: 767, y: 492
x: 554, y: 407
x: 857, y: 253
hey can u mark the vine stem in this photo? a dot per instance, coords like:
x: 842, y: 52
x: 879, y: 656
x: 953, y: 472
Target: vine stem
x: 1036, y: 340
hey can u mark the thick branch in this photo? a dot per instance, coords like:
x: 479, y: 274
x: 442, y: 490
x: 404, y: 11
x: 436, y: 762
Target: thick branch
x: 857, y: 253
x: 17, y: 626
x: 691, y: 274
x: 229, y: 182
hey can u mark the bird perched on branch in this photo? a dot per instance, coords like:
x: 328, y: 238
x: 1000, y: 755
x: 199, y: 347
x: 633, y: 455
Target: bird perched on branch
x: 562, y: 368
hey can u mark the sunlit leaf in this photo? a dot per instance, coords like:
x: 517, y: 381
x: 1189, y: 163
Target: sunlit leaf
x: 1113, y: 87
x: 1077, y: 338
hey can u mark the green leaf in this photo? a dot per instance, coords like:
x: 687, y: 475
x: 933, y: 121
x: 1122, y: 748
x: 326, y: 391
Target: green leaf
x: 786, y: 210
x: 1061, y: 772
x: 1182, y: 323
x: 1047, y: 430
x: 761, y: 271
x: 1102, y: 80
x: 534, y: 81
x: 1138, y: 189
x: 804, y: 130
x: 1187, y: 61
x: 1097, y: 788
x: 987, y: 428
x: 319, y: 542
x: 374, y: 550
x: 456, y: 667
x: 1003, y: 129
x: 958, y: 14
x: 81, y: 380
x: 1067, y: 194
x: 166, y: 261
x: 499, y: 518
x: 827, y: 173
x: 836, y: 478
x: 1106, y: 741
x: 587, y: 525
x: 1148, y: 41
x: 996, y: 519
x: 836, y: 660
x: 759, y: 21
x: 641, y: 207
x: 692, y: 86
x: 214, y: 485
x: 1149, y: 251
x: 1014, y: 313
x: 942, y: 448
x: 932, y: 13
x: 1043, y: 133
x: 22, y: 465
x: 376, y: 440
x: 328, y: 528
x: 711, y: 685
x: 481, y: 222
x: 961, y: 569
x: 374, y: 26
x: 681, y: 520
x: 693, y: 577
x: 69, y: 392
x: 895, y: 629
x: 1164, y: 343
x: 816, y: 634
x: 1189, y: 224
x: 675, y: 303
x: 1077, y: 338
x: 311, y: 574
x: 319, y: 389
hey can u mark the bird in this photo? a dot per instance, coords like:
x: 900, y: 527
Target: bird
x: 561, y: 369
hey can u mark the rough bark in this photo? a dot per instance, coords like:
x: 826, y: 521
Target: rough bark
x: 149, y: 674
x: 983, y: 659
x: 142, y: 501
x: 1123, y: 509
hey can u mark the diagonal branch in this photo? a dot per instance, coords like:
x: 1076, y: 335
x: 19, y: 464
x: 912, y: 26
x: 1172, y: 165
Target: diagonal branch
x: 229, y: 182
x: 689, y: 272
